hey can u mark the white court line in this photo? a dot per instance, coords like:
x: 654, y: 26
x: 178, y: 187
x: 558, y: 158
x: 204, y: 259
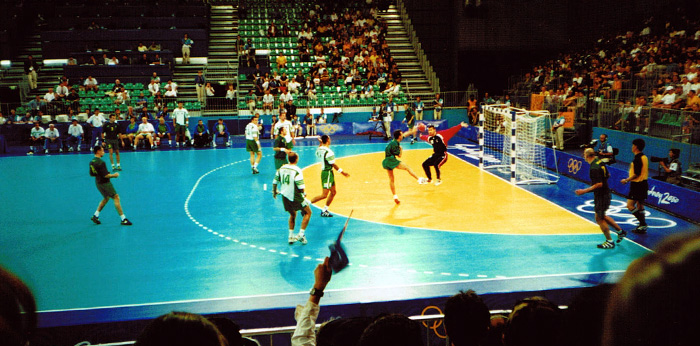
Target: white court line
x: 427, y: 284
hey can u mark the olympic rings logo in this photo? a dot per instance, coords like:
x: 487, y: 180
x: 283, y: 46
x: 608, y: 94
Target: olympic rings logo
x: 436, y: 324
x: 328, y: 129
x: 574, y: 165
x: 618, y: 211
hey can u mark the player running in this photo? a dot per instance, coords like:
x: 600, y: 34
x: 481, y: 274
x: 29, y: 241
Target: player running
x: 392, y: 153
x: 325, y: 153
x: 291, y: 181
x: 98, y: 169
x: 599, y: 175
x: 252, y: 143
x: 439, y: 156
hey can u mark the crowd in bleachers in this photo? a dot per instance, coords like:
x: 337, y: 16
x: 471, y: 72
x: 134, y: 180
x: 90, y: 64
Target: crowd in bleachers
x: 654, y: 303
x: 655, y: 67
x: 321, y: 52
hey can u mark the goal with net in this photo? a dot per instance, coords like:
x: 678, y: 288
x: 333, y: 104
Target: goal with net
x: 513, y: 141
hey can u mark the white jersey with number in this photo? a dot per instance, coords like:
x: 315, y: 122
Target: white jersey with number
x: 252, y: 132
x: 290, y: 182
x: 180, y: 116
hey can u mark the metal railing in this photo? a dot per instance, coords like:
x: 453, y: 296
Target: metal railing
x: 418, y: 48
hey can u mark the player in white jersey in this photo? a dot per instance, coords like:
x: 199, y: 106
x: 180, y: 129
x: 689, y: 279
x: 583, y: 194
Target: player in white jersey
x: 252, y: 142
x: 327, y: 156
x: 283, y: 122
x: 291, y: 181
x: 181, y: 118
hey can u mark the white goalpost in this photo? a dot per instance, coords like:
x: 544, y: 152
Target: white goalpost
x: 513, y: 141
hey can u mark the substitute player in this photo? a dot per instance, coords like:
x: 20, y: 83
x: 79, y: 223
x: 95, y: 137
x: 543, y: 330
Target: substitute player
x: 252, y: 142
x: 439, y: 156
x: 599, y: 175
x: 98, y: 169
x: 392, y: 153
x: 326, y: 155
x: 291, y: 182
x: 111, y: 134
x: 282, y: 146
x: 181, y: 119
x: 639, y: 186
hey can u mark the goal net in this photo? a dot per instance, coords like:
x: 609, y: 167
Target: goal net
x: 513, y: 141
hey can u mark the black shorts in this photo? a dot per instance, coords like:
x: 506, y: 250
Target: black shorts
x: 639, y: 191
x: 601, y: 203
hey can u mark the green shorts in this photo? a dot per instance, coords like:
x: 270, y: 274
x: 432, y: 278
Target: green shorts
x: 390, y: 162
x: 327, y: 179
x: 252, y: 146
x: 280, y: 162
x: 112, y: 144
x: 295, y: 205
x: 180, y: 129
x: 107, y: 190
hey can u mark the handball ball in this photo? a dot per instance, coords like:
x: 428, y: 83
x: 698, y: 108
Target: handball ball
x: 421, y: 127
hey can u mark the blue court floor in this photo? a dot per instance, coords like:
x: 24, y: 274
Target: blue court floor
x: 208, y: 237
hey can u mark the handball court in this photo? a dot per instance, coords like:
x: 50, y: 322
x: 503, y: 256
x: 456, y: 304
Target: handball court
x: 209, y: 238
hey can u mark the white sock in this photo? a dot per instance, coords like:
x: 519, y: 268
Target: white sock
x: 255, y: 165
x: 97, y: 213
x: 396, y: 196
x: 123, y: 217
x: 291, y: 232
x: 301, y: 232
x: 325, y: 208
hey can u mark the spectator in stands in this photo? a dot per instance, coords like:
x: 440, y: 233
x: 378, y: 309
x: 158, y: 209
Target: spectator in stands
x: 36, y: 138
x: 18, y: 318
x: 3, y: 119
x: 534, y: 321
x: 154, y: 47
x: 72, y: 61
x: 220, y: 130
x: 155, y: 77
x: 148, y: 115
x: 73, y: 100
x: 250, y: 100
x: 52, y: 135
x: 49, y: 99
x: 467, y: 319
x: 75, y: 136
x: 268, y: 102
x: 118, y: 88
x: 26, y: 118
x: 201, y: 135
x: 655, y: 302
x: 230, y: 94
x: 96, y: 121
x: 272, y: 30
x: 31, y: 68
x: 281, y: 61
x: 141, y: 101
x: 200, y: 83
x: 62, y: 91
x: 153, y: 87
x: 211, y: 92
x: 286, y: 97
x: 170, y: 91
x: 141, y: 47
x: 90, y: 83
x: 143, y: 60
x: 187, y: 43
x: 145, y: 131
x: 392, y: 329
x: 113, y: 61
x: 158, y: 101
x: 180, y: 329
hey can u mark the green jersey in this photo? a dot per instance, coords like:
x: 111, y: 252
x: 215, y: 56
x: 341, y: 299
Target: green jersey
x: 392, y: 149
x: 290, y: 182
x: 98, y: 169
x: 280, y: 142
x: 327, y: 156
x: 111, y: 130
x: 599, y: 174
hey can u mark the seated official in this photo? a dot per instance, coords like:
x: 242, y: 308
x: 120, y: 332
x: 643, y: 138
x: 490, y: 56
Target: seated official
x: 36, y: 138
x: 220, y: 130
x: 146, y: 131
x: 131, y: 130
x: 52, y: 135
x: 604, y: 150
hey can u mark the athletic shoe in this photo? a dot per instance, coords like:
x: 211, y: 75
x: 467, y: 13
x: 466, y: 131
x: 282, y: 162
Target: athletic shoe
x: 606, y: 245
x: 326, y: 214
x: 413, y: 140
x: 621, y: 235
x: 422, y: 181
x: 396, y: 200
x: 255, y: 171
x: 70, y: 149
x: 119, y: 168
x: 96, y: 220
x: 114, y: 168
x: 46, y: 151
x: 60, y: 150
x: 126, y: 222
x: 153, y: 147
x: 30, y: 153
x: 301, y: 239
x: 640, y: 230
x: 292, y: 239
x: 438, y: 182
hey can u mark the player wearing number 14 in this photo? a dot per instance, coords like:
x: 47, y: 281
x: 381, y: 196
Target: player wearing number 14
x: 290, y: 180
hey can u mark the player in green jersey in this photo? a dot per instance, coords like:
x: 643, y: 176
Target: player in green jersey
x: 98, y: 169
x: 111, y: 133
x: 392, y: 153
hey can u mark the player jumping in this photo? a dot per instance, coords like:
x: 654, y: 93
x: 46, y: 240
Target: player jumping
x: 392, y: 153
x: 325, y: 153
